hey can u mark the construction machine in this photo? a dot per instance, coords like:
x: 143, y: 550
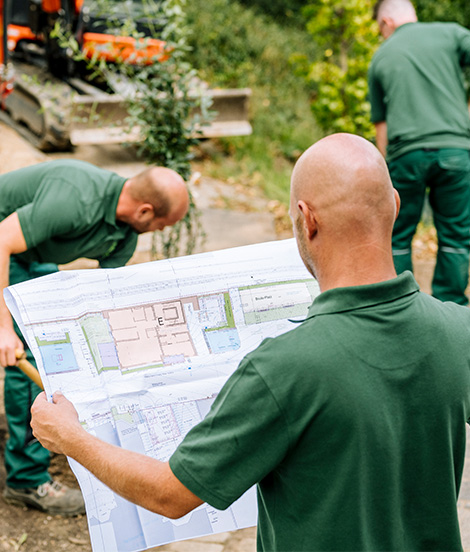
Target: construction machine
x: 47, y: 95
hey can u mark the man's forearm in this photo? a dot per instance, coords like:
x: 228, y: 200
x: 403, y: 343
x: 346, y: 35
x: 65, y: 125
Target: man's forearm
x: 11, y: 241
x: 381, y: 139
x: 9, y: 341
x: 5, y: 318
x: 138, y: 478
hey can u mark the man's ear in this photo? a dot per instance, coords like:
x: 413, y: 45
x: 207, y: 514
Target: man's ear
x: 308, y: 219
x: 389, y: 21
x: 397, y: 201
x: 144, y: 212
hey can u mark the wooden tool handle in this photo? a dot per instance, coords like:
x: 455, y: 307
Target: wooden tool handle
x: 26, y: 367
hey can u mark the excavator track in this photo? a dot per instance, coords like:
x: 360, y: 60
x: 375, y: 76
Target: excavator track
x: 55, y: 115
x: 38, y: 108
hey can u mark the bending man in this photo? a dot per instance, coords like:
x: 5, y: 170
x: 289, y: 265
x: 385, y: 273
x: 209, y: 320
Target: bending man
x: 53, y: 213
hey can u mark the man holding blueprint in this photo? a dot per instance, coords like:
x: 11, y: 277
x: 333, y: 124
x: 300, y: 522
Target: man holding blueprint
x: 352, y: 425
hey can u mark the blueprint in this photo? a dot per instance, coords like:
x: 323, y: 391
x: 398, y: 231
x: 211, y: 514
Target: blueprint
x: 142, y: 351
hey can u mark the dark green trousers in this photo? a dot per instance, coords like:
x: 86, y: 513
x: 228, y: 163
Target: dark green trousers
x: 26, y: 461
x: 446, y: 174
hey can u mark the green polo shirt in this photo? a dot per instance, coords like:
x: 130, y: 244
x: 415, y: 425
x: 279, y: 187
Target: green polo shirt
x: 416, y: 85
x: 67, y: 210
x: 352, y: 425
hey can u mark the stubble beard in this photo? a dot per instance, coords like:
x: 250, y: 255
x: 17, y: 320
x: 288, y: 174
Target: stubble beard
x: 302, y: 247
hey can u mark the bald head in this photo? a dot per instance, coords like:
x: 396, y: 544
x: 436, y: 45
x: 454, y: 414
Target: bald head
x: 391, y: 14
x: 341, y: 198
x: 397, y: 9
x: 345, y: 178
x: 153, y: 199
x: 163, y: 188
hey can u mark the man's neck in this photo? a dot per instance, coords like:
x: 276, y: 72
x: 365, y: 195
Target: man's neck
x: 358, y: 270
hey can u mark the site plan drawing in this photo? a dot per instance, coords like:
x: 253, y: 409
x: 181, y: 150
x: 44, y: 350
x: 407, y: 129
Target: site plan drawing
x: 142, y: 352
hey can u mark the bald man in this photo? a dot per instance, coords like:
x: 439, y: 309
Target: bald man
x: 419, y: 105
x: 53, y: 213
x: 352, y: 425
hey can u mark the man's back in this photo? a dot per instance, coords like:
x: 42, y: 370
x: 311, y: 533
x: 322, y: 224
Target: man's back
x: 361, y: 440
x: 388, y: 373
x: 416, y: 85
x: 67, y: 209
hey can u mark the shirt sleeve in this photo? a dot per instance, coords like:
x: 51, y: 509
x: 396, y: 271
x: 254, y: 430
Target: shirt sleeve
x: 463, y: 36
x: 54, y: 211
x: 378, y: 112
x: 121, y: 254
x: 242, y: 439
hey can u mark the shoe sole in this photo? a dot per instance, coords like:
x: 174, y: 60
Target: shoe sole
x: 52, y: 511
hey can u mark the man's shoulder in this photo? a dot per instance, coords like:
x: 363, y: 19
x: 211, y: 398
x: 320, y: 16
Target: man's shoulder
x: 291, y: 347
x: 414, y: 37
x: 443, y: 319
x: 421, y: 34
x: 317, y: 335
x: 74, y: 166
x: 436, y: 29
x: 89, y: 182
x: 452, y: 312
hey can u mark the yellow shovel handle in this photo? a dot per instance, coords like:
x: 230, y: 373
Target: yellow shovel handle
x: 26, y: 367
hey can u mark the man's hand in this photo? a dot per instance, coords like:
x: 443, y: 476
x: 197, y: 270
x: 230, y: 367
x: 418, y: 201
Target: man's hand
x: 54, y: 424
x: 9, y: 344
x: 138, y: 478
x: 11, y: 242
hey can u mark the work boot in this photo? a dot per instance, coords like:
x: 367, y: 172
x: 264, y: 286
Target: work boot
x: 51, y: 497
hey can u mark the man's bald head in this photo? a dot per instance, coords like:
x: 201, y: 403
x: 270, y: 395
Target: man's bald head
x: 153, y: 199
x: 341, y: 197
x: 163, y: 188
x: 398, y: 9
x: 391, y: 14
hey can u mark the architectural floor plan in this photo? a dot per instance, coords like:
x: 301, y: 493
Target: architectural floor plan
x: 142, y: 352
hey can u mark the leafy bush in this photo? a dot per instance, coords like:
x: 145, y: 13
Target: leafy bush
x: 156, y: 90
x: 344, y: 28
x: 444, y: 10
x: 284, y: 11
x: 254, y: 51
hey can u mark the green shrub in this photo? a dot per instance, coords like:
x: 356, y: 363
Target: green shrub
x: 233, y: 46
x: 345, y: 30
x: 156, y: 91
x: 444, y: 10
x: 284, y: 11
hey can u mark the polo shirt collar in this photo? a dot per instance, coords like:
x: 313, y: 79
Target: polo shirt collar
x: 403, y: 26
x: 357, y: 297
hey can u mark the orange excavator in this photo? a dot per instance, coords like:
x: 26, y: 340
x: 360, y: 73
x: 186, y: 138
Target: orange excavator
x: 47, y: 95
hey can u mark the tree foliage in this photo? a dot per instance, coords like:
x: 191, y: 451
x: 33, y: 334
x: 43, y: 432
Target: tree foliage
x: 253, y: 51
x: 282, y: 10
x: 444, y: 10
x: 348, y: 36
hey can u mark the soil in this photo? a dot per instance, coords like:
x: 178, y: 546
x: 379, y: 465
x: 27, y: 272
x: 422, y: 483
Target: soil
x: 29, y: 530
